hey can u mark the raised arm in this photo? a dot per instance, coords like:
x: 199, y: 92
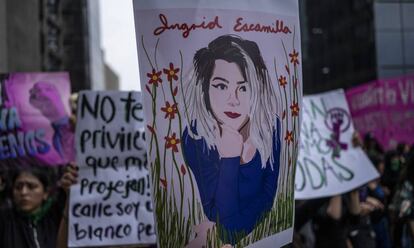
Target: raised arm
x: 68, y: 179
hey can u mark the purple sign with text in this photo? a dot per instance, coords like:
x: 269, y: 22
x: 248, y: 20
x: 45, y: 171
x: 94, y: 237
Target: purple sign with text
x: 34, y: 121
x: 385, y: 108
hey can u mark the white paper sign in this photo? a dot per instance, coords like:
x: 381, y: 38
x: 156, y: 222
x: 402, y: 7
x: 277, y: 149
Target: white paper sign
x: 111, y: 204
x: 328, y: 164
x: 222, y: 92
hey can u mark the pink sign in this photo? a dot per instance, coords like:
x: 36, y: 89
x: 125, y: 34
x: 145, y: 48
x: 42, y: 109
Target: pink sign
x: 34, y: 118
x: 386, y: 109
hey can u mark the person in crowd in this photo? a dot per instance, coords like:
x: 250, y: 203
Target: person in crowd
x: 363, y: 233
x: 402, y: 206
x: 36, y: 213
x: 305, y: 211
x: 334, y: 220
x: 375, y: 203
x: 232, y: 138
x: 393, y: 168
x: 5, y: 201
x: 371, y: 145
x: 403, y: 151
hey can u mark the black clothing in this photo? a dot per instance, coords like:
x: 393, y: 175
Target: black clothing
x: 20, y: 231
x: 330, y: 232
x: 306, y: 210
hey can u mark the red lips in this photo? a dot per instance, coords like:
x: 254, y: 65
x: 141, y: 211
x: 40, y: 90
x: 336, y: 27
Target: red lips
x: 232, y: 115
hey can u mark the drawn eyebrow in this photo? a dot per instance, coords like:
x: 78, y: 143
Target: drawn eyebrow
x: 221, y: 79
x: 241, y: 82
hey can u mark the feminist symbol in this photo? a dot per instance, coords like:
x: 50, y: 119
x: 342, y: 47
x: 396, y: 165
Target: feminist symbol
x: 338, y: 121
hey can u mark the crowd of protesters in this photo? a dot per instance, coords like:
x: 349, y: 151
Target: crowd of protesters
x: 34, y: 199
x: 378, y: 214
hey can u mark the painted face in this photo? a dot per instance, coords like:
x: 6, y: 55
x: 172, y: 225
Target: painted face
x: 229, y: 95
x: 28, y: 192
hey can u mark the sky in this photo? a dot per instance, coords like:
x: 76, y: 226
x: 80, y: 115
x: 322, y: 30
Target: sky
x: 118, y: 41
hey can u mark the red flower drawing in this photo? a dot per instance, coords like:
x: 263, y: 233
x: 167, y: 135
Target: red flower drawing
x: 154, y: 77
x: 282, y: 81
x: 294, y: 57
x: 172, y: 142
x: 172, y: 72
x: 170, y: 110
x: 295, y: 109
x: 289, y: 137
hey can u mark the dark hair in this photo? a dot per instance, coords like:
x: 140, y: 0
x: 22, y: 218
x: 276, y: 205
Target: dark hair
x: 409, y: 167
x: 32, y: 166
x: 229, y: 48
x: 370, y: 142
x: 376, y: 159
x: 265, y: 105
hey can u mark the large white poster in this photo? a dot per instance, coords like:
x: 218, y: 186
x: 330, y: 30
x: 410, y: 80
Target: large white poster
x: 222, y: 88
x: 111, y: 203
x: 328, y: 164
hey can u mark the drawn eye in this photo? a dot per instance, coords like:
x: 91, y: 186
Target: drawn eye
x: 243, y: 89
x: 220, y: 86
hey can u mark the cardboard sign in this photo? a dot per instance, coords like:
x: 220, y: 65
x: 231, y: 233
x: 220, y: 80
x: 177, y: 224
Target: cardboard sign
x: 222, y: 85
x: 111, y: 204
x: 328, y: 164
x: 384, y: 108
x: 34, y: 119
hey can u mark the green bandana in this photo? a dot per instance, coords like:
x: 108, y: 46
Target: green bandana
x: 37, y: 215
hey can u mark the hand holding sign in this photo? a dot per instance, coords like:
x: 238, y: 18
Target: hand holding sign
x: 70, y: 177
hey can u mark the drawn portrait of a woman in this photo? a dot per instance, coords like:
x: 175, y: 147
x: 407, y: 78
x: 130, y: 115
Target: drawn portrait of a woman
x: 232, y: 137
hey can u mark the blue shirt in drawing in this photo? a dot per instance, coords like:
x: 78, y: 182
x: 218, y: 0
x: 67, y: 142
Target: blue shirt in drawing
x: 236, y: 196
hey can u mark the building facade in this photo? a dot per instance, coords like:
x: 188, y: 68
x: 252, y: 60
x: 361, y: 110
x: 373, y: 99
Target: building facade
x: 394, y: 35
x: 53, y: 35
x: 346, y: 43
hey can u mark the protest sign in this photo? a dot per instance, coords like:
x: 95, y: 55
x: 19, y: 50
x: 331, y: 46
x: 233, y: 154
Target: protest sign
x: 34, y: 116
x: 384, y: 108
x: 111, y: 204
x: 328, y: 164
x: 222, y: 85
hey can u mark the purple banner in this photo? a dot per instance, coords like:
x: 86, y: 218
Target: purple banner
x: 34, y: 121
x: 385, y: 108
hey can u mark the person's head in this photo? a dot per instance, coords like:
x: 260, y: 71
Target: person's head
x: 378, y: 162
x: 230, y: 85
x: 372, y: 144
x: 403, y: 149
x: 407, y: 172
x: 30, y: 188
x: 392, y: 161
